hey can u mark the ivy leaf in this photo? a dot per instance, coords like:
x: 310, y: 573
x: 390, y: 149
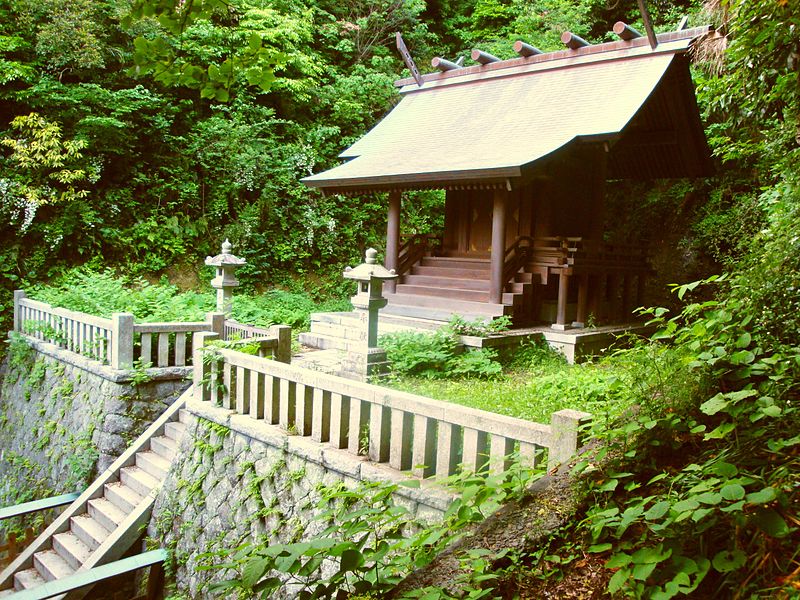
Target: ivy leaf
x: 713, y: 405
x: 771, y: 523
x: 768, y: 494
x: 732, y: 491
x: 728, y: 560
x: 658, y: 510
x: 255, y: 570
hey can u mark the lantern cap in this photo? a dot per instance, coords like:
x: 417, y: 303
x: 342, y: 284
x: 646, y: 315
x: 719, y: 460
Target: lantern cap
x: 369, y: 269
x: 225, y: 258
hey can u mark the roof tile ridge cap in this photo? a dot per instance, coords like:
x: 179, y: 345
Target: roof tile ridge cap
x: 543, y: 66
x: 556, y: 56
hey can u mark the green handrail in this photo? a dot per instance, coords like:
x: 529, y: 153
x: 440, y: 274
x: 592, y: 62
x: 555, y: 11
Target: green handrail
x: 36, y: 505
x: 92, y: 576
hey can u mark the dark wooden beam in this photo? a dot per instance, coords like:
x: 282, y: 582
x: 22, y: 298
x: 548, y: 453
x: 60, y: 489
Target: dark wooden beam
x: 525, y: 50
x: 572, y: 41
x: 498, y: 255
x: 444, y: 65
x: 648, y: 24
x: 393, y: 235
x: 625, y: 31
x: 484, y: 57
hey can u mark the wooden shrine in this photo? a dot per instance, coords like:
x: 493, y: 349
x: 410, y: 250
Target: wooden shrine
x: 524, y: 149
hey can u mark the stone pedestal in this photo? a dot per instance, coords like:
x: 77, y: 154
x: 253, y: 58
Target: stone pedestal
x: 364, y: 359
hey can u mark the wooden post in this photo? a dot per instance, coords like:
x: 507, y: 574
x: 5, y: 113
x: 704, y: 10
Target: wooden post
x: 498, y: 246
x: 201, y: 371
x: 216, y: 322
x: 393, y: 235
x: 122, y: 341
x: 583, y: 300
x: 18, y: 295
x: 561, y: 307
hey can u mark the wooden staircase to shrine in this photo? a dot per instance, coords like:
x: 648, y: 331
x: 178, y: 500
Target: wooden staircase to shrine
x: 107, y: 519
x: 438, y: 287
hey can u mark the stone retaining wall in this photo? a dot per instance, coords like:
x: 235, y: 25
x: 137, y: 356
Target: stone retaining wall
x: 237, y: 480
x: 64, y: 418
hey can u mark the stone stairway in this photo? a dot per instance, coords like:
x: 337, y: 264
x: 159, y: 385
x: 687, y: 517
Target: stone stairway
x: 105, y: 521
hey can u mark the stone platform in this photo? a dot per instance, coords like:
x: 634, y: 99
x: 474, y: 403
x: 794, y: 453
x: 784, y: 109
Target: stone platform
x: 338, y: 331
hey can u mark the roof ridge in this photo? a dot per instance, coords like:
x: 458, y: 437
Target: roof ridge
x: 551, y: 59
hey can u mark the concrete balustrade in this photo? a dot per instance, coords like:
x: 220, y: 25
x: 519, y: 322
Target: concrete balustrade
x: 409, y: 432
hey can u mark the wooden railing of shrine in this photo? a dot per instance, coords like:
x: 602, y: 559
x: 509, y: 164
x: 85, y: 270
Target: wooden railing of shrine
x: 413, y: 248
x: 409, y: 432
x: 275, y: 341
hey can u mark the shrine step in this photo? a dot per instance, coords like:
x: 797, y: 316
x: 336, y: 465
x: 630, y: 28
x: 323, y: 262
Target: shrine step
x: 455, y: 262
x: 386, y: 323
x: 437, y: 271
x: 459, y: 283
x: 450, y: 293
x: 442, y: 307
x: 323, y: 341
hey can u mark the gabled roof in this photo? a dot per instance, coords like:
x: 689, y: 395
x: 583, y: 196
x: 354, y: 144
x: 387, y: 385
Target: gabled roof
x: 491, y: 125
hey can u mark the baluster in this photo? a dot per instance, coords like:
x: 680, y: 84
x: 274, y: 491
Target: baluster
x: 256, y: 395
x: 424, y: 452
x: 272, y: 405
x: 380, y: 429
x: 340, y: 420
x: 287, y: 404
x: 229, y: 381
x: 163, y: 349
x: 321, y: 420
x: 146, y: 349
x: 402, y: 440
x: 359, y: 424
x: 242, y: 391
x: 304, y: 407
x: 474, y: 457
x: 180, y: 349
x: 447, y: 451
x: 500, y: 448
x: 529, y: 454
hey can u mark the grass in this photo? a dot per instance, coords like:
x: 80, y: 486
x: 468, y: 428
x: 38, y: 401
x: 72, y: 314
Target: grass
x: 535, y: 383
x: 103, y: 293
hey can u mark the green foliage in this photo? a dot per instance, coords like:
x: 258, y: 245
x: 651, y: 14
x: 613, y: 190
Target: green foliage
x: 668, y: 518
x: 478, y: 327
x: 373, y: 541
x: 437, y: 355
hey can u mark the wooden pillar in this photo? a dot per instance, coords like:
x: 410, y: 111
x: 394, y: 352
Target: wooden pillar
x: 641, y: 281
x: 599, y: 193
x: 583, y: 300
x: 561, y: 308
x: 498, y: 246
x: 626, y: 296
x: 393, y: 235
x: 612, y: 294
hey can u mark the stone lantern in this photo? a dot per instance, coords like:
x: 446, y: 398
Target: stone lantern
x: 365, y: 359
x: 225, y: 264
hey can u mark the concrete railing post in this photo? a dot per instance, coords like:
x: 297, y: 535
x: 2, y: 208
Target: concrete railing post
x: 201, y: 371
x: 565, y: 426
x: 122, y: 341
x: 18, y: 295
x: 283, y: 351
x: 216, y: 321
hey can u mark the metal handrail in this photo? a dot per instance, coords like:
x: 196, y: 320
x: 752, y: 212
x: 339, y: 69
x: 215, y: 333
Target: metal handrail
x: 26, y: 508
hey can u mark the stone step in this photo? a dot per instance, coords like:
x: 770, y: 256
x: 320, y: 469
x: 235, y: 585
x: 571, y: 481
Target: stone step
x: 27, y: 579
x: 106, y: 513
x: 164, y: 447
x: 392, y: 322
x: 184, y: 416
x: 138, y: 480
x: 175, y: 430
x: 121, y: 496
x: 444, y: 306
x: 450, y: 294
x: 322, y: 341
x: 71, y: 549
x: 51, y: 566
x: 152, y: 463
x: 89, y: 530
x: 353, y: 331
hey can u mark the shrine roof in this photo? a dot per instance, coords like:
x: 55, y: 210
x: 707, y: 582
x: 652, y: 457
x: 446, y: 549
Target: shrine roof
x: 491, y: 125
